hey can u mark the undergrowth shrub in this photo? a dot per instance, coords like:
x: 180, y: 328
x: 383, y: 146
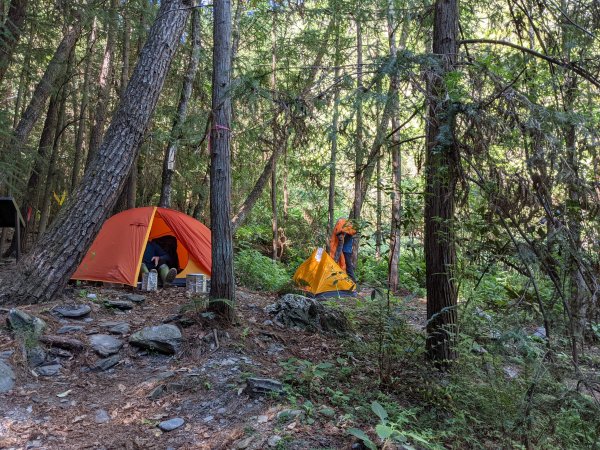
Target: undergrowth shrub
x: 258, y: 272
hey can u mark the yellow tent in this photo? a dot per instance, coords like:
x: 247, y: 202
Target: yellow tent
x: 321, y: 276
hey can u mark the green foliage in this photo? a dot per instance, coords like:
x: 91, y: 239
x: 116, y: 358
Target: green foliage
x: 256, y: 271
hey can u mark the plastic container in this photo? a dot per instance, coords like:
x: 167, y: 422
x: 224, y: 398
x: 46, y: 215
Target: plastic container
x: 150, y: 281
x: 195, y: 283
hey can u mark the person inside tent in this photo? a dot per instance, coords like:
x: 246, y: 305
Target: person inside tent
x: 341, y: 243
x: 158, y: 260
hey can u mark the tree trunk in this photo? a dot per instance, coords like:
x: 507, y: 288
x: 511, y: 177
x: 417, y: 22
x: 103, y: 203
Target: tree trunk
x: 104, y: 85
x: 10, y: 33
x: 276, y: 137
x: 178, y: 123
x: 44, y: 272
x: 222, y: 281
x: 441, y: 176
x: 83, y: 109
x: 378, y: 227
x: 334, y: 137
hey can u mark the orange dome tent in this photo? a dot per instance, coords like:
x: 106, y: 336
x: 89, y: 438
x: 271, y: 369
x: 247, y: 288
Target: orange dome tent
x: 320, y: 276
x: 116, y: 254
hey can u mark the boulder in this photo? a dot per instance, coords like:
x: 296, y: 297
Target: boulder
x: 263, y: 386
x: 105, y: 345
x: 22, y: 323
x: 7, y: 377
x: 162, y: 338
x: 294, y: 310
x: 72, y: 311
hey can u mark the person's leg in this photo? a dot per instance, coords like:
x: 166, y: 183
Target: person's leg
x: 349, y: 266
x: 166, y: 275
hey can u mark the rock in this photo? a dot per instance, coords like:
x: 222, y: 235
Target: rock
x: 163, y: 338
x: 106, y: 363
x: 7, y: 377
x: 123, y: 305
x: 327, y: 412
x: 63, y: 342
x: 6, y: 354
x: 60, y: 353
x: 187, y: 383
x: 262, y: 419
x: 294, y: 310
x: 540, y: 332
x: 244, y: 443
x: 511, y: 372
x: 116, y: 327
x: 274, y: 440
x: 36, y: 356
x: 49, y: 370
x: 208, y: 419
x: 289, y: 414
x: 208, y: 315
x: 22, y: 323
x: 92, y: 296
x: 263, y: 386
x: 135, y: 298
x: 172, y: 424
x: 105, y: 345
x: 72, y: 311
x: 101, y: 416
x: 67, y: 329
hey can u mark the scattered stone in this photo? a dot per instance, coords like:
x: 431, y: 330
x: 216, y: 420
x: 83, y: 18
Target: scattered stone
x: 294, y: 310
x: 172, y: 424
x: 72, y: 311
x: 106, y: 363
x: 163, y: 338
x: 49, y: 370
x: 274, y: 440
x: 123, y: 305
x: 208, y: 419
x: 59, y: 352
x: 92, y: 296
x: 221, y: 410
x: 511, y: 372
x: 88, y: 320
x: 63, y: 342
x: 208, y: 315
x: 21, y: 322
x: 289, y: 414
x: 6, y: 354
x: 36, y: 356
x: 263, y: 386
x: 105, y: 345
x: 7, y: 377
x: 67, y: 329
x: 135, y: 298
x: 116, y: 327
x: 244, y: 443
x: 268, y: 323
x: 263, y: 419
x: 101, y: 416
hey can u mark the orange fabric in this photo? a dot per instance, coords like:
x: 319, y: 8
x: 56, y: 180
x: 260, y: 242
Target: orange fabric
x: 342, y: 226
x: 116, y: 254
x: 320, y: 274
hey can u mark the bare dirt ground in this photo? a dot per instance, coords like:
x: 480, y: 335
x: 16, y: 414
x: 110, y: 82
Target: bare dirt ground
x: 203, y: 384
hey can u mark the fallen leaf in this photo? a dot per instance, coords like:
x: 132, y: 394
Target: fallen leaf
x: 64, y: 394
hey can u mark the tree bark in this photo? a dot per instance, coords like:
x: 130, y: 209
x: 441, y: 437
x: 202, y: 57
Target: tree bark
x: 182, y: 108
x: 44, y: 272
x: 334, y: 138
x: 85, y: 96
x: 276, y: 137
x: 10, y: 33
x: 104, y: 85
x: 222, y: 281
x: 441, y: 177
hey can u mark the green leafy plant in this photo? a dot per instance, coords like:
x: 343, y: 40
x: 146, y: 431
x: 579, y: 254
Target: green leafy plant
x: 258, y: 272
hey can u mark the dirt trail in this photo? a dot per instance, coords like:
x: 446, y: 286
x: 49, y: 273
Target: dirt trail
x: 203, y: 384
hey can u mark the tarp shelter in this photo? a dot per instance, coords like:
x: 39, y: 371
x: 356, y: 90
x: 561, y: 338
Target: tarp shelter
x: 116, y: 254
x: 320, y: 276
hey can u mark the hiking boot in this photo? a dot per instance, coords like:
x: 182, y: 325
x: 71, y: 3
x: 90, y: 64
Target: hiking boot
x: 166, y: 275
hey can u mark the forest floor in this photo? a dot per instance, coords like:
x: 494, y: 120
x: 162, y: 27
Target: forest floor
x: 203, y: 384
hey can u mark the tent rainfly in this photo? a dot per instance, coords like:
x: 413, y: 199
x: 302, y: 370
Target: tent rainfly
x: 321, y: 276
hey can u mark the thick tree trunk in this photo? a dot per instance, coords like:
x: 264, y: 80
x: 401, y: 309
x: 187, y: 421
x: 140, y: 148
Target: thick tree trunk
x: 182, y: 108
x: 222, y: 281
x: 441, y: 176
x: 276, y: 137
x: 85, y: 96
x: 10, y: 33
x: 334, y: 139
x: 104, y: 86
x: 44, y: 272
x: 378, y: 227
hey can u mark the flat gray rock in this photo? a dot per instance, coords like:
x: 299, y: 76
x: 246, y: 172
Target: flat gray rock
x: 48, y: 371
x: 36, y: 356
x: 7, y: 377
x: 123, y: 305
x: 22, y: 323
x: 106, y: 363
x: 263, y: 386
x: 135, y: 298
x: 101, y: 416
x: 172, y: 424
x: 162, y: 338
x: 115, y: 327
x: 72, y: 311
x: 67, y: 329
x: 105, y: 345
